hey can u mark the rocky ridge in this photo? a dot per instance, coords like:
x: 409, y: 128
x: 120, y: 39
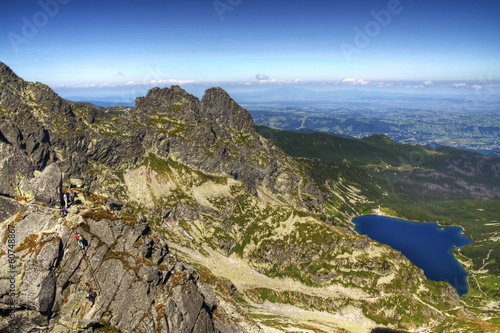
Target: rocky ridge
x: 142, y: 286
x: 195, y: 175
x: 214, y: 135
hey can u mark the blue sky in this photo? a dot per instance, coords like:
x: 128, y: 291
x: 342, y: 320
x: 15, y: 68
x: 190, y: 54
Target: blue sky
x: 101, y: 48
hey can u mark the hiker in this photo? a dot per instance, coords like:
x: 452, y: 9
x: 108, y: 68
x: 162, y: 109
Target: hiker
x: 91, y: 295
x: 65, y: 198
x: 81, y: 240
x: 64, y: 212
x: 72, y: 197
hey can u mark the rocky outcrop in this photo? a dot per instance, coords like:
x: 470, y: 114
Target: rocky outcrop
x: 224, y: 114
x: 47, y: 188
x: 17, y: 178
x: 16, y: 171
x: 142, y: 286
x: 217, y: 136
x: 214, y: 135
x: 10, y: 133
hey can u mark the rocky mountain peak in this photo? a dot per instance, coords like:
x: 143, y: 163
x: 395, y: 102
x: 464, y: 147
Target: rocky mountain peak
x: 224, y: 111
x: 167, y: 96
x: 214, y: 135
x: 6, y: 74
x: 217, y: 110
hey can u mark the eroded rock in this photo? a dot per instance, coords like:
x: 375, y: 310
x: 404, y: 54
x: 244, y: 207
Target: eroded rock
x: 48, y: 187
x: 15, y: 171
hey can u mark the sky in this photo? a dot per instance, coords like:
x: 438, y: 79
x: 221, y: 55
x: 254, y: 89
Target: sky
x: 109, y: 48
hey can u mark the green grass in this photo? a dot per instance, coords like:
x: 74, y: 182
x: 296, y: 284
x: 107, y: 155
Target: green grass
x: 413, y: 182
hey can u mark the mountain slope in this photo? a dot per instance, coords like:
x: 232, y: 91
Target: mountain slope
x: 447, y: 185
x: 271, y: 240
x: 442, y: 173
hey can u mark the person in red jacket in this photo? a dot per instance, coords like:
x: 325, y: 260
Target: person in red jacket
x: 81, y: 240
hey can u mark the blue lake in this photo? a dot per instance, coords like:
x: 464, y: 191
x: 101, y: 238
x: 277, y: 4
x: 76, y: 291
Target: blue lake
x: 427, y: 245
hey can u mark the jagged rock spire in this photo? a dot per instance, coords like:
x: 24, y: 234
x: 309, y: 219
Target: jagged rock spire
x: 7, y: 74
x: 225, y: 112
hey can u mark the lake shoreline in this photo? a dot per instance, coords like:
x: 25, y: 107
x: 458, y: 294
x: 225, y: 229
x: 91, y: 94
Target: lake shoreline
x: 408, y: 238
x: 379, y: 212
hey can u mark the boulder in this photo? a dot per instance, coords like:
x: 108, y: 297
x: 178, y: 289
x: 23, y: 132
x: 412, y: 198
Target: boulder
x: 11, y: 133
x: 48, y: 187
x: 15, y: 171
x: 47, y: 294
x: 114, y: 204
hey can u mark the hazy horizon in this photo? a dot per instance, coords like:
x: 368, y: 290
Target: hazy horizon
x: 112, y: 48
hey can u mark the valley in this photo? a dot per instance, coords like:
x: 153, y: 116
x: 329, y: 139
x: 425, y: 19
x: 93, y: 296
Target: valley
x: 435, y: 122
x: 417, y: 183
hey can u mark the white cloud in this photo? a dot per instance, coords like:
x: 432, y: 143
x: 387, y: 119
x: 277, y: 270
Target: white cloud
x: 173, y: 81
x: 262, y: 77
x: 106, y: 85
x: 351, y: 80
x: 385, y: 84
x: 279, y: 82
x: 428, y: 83
x: 160, y: 82
x: 86, y: 85
x: 460, y: 85
x: 477, y: 87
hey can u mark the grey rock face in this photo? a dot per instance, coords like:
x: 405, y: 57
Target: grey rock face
x: 48, y: 187
x: 10, y: 133
x: 47, y: 294
x: 8, y: 207
x: 15, y: 171
x: 214, y: 135
x: 225, y: 114
x: 17, y: 177
x: 142, y: 287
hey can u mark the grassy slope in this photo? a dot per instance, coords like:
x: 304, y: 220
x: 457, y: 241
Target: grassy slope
x: 380, y: 161
x: 282, y: 258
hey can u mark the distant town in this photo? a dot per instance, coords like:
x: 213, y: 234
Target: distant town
x: 432, y: 124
